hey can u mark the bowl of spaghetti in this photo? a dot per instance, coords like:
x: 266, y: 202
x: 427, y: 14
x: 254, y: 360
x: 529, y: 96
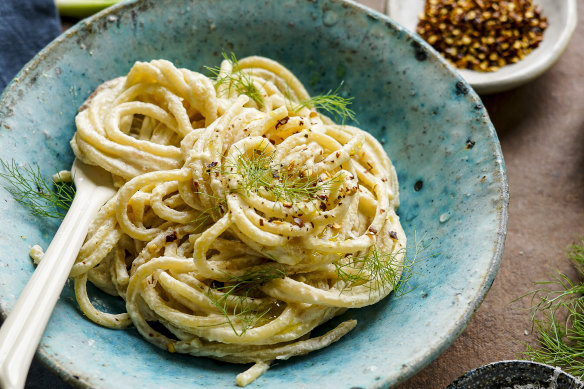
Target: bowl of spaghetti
x: 288, y: 208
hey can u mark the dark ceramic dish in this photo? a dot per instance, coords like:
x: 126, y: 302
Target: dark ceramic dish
x: 516, y: 375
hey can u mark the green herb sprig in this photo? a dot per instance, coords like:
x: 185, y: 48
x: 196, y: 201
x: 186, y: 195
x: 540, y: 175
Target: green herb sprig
x: 285, y: 184
x: 208, y: 214
x: 243, y: 84
x: 234, y: 298
x: 28, y: 187
x: 330, y: 102
x: 238, y: 79
x: 560, y: 323
x: 382, y: 268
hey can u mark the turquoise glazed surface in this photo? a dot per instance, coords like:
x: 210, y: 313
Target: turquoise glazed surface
x: 434, y: 128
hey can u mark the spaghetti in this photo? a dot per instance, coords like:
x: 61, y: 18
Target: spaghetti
x: 244, y: 218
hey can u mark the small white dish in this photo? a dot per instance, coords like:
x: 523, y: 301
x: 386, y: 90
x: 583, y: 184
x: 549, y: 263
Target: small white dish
x: 562, y: 18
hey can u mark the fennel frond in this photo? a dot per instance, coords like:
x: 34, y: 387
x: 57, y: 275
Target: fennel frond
x: 561, y: 324
x: 332, y: 103
x: 378, y: 269
x: 288, y: 184
x: 235, y: 298
x: 27, y: 186
x: 238, y: 79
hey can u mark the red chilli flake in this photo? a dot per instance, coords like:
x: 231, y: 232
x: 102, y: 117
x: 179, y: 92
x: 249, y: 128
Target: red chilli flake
x: 482, y: 35
x: 299, y: 222
x: 282, y: 122
x: 171, y: 237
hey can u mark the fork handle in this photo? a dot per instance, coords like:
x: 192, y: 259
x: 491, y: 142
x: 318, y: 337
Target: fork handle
x: 21, y: 332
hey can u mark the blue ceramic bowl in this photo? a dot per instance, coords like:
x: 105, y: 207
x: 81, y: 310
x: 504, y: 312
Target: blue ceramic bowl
x: 434, y: 128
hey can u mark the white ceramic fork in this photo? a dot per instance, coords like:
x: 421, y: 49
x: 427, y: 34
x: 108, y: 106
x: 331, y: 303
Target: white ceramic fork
x: 21, y: 332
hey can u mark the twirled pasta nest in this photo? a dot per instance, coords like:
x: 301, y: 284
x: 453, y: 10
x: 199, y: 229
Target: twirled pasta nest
x: 240, y: 224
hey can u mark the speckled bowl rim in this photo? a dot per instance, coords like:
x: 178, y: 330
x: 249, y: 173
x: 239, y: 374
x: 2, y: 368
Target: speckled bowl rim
x: 414, y: 365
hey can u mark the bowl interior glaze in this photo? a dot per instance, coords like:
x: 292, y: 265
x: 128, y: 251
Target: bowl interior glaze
x: 452, y: 178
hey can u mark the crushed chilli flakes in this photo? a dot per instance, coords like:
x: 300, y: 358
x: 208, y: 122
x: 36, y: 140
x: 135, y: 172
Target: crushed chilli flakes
x: 482, y: 35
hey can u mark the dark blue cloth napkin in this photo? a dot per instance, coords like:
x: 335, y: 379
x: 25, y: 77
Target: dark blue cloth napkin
x: 26, y: 26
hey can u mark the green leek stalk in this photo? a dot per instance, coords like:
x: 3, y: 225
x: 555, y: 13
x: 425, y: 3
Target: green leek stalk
x: 82, y: 8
